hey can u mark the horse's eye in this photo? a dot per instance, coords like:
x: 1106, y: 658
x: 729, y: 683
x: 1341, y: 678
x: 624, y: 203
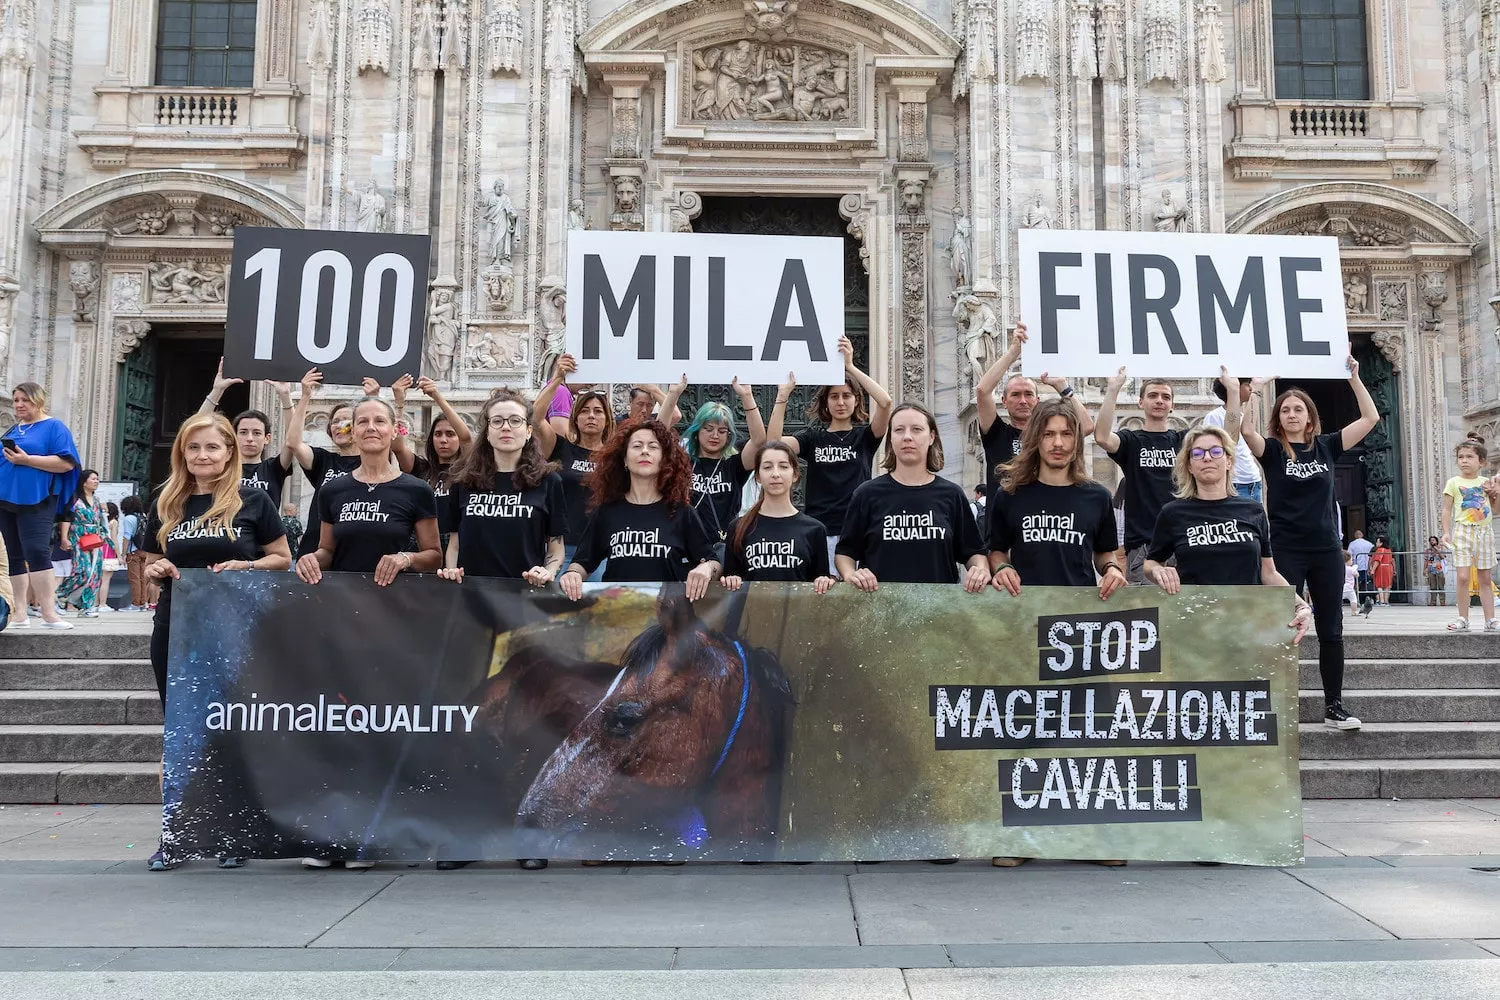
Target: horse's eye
x: 624, y: 717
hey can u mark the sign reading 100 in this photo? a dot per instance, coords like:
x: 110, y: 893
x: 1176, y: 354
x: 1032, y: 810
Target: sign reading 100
x: 307, y: 286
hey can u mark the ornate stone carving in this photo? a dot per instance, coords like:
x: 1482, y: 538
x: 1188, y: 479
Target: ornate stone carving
x: 1033, y: 39
x: 1489, y: 31
x: 1392, y: 344
x: 320, y: 31
x: 747, y: 80
x: 1036, y: 215
x: 500, y: 217
x: 959, y: 248
x: 980, y: 328
x: 1392, y: 297
x: 374, y: 36
x: 577, y: 214
x: 912, y: 146
x: 9, y: 291
x: 974, y: 26
x: 552, y: 305
x: 627, y: 213
x: 222, y: 223
x: 503, y: 36
x: 442, y: 333
x: 914, y: 350
x: 1211, y: 41
x: 496, y: 350
x: 17, y: 21
x: 83, y: 279
x: 561, y: 25
x: 499, y: 288
x: 150, y: 222
x: 854, y: 208
x: 1356, y: 294
x: 1169, y: 216
x: 370, y: 209
x: 680, y: 215
x: 1112, y: 39
x: 770, y: 20
x: 1434, y: 292
x: 186, y: 283
x: 425, y: 29
x: 913, y: 195
x: 625, y: 129
x: 1163, y: 37
x: 454, y: 53
x: 128, y: 334
x: 678, y: 221
x: 1083, y: 45
x: 125, y: 293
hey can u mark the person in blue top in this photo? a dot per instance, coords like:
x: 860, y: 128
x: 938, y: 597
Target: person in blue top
x: 39, y: 469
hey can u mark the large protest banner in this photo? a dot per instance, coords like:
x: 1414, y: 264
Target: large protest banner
x: 487, y: 720
x: 647, y: 307
x: 1179, y: 305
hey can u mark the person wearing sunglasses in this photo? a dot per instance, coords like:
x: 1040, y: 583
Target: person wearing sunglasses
x: 590, y: 425
x: 1217, y: 537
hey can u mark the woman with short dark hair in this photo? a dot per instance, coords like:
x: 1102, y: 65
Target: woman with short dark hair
x: 39, y: 469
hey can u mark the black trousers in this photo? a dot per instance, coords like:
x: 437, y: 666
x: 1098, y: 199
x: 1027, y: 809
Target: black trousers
x: 160, y: 640
x: 1319, y: 577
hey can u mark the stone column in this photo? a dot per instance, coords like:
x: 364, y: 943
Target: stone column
x: 1211, y: 69
x: 626, y: 164
x: 913, y: 228
x: 324, y: 23
x: 561, y: 23
x: 17, y: 62
x: 978, y: 77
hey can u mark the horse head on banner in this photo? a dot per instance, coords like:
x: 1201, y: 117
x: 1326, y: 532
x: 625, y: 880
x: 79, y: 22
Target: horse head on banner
x: 686, y: 747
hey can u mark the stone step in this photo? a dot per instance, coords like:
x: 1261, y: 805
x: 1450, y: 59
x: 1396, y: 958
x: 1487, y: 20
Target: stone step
x: 80, y: 644
x: 1401, y: 741
x: 77, y: 675
x: 1442, y: 778
x: 80, y: 784
x: 1408, y: 705
x: 80, y: 744
x: 1436, y: 645
x: 80, y: 708
x: 1362, y: 675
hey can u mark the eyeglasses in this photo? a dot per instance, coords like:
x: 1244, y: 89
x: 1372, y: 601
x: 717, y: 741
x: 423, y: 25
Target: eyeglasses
x: 502, y: 422
x: 1197, y: 454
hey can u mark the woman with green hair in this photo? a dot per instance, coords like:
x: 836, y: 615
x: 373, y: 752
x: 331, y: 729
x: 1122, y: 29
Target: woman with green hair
x: 720, y: 470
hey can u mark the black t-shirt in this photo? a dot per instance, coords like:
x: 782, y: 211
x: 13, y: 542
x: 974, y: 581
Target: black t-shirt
x: 1299, y: 492
x: 644, y: 543
x: 779, y: 548
x: 190, y: 546
x: 327, y: 466
x: 1001, y: 443
x: 718, y: 485
x: 267, y: 475
x: 447, y: 511
x: 837, y: 463
x: 1146, y: 458
x: 1051, y: 533
x: 910, y: 534
x: 1216, y: 542
x: 503, y: 531
x: 574, y: 463
x: 371, y: 520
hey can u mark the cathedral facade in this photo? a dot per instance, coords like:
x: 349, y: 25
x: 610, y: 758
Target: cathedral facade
x: 135, y: 135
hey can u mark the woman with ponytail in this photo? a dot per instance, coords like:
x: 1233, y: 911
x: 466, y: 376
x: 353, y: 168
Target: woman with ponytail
x: 773, y: 540
x: 204, y: 519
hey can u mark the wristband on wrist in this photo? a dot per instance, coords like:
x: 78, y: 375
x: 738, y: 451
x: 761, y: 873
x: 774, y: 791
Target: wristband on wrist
x: 1066, y: 391
x: 1004, y: 566
x: 1111, y: 566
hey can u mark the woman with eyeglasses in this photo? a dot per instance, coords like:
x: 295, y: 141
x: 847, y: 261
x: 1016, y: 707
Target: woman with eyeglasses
x: 320, y: 465
x: 1217, y: 537
x: 590, y: 425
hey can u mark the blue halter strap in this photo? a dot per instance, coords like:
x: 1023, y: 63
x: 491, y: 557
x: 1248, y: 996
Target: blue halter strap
x: 690, y: 825
x: 739, y: 718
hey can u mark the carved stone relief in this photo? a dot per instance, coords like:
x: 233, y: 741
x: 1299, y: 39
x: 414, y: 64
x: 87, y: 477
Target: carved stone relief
x: 1392, y: 344
x: 771, y: 20
x: 125, y: 293
x: 979, y: 327
x: 854, y: 208
x: 150, y: 222
x: 1356, y: 294
x: 453, y: 53
x: 1033, y: 39
x: 83, y: 279
x: 1434, y: 291
x: 1392, y: 296
x: 320, y: 32
x: 1083, y: 45
x: 1169, y: 216
x: 128, y: 334
x: 496, y: 350
x: 503, y: 36
x: 1211, y: 41
x: 499, y: 288
x: 627, y: 214
x: 371, y: 209
x: 374, y: 36
x: 748, y: 80
x: 1163, y: 37
x: 1036, y: 215
x: 913, y: 137
x: 442, y: 334
x: 424, y: 31
x: 1111, y: 35
x: 974, y: 26
x: 186, y: 283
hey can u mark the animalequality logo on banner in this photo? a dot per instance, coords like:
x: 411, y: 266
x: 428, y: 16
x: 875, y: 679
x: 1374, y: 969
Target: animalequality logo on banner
x: 647, y: 307
x: 489, y: 720
x: 1179, y: 305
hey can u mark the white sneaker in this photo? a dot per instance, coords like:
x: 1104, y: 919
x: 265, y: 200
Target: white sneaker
x: 58, y: 626
x: 90, y: 613
x: 316, y: 863
x: 18, y: 623
x: 359, y: 864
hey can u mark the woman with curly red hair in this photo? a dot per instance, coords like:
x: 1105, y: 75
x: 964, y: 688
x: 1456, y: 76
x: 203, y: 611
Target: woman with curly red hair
x: 643, y: 520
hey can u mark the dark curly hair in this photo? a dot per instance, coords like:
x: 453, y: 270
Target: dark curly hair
x: 610, y: 480
x: 476, y: 468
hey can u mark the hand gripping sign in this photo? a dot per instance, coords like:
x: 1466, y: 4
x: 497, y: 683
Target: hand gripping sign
x: 351, y: 304
x: 647, y: 307
x: 1180, y: 305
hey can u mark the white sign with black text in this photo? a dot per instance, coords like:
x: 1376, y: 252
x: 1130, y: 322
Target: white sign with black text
x: 1179, y: 305
x: 351, y: 304
x: 647, y: 307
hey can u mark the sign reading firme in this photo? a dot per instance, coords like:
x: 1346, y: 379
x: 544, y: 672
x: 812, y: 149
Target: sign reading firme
x: 647, y: 307
x: 1179, y: 305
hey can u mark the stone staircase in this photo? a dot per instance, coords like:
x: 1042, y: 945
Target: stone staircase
x: 80, y: 722
x: 1430, y: 704
x: 79, y: 718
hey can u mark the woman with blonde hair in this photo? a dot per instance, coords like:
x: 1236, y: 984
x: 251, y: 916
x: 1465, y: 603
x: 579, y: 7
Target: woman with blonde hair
x: 204, y: 519
x: 39, y: 472
x: 1215, y: 536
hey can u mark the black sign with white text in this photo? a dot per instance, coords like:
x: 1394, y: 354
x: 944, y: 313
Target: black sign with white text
x: 349, y: 304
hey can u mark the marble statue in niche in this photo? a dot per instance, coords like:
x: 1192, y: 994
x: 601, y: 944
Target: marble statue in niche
x: 1037, y: 215
x: 577, y: 215
x: 370, y: 209
x: 500, y: 217
x: 958, y: 251
x: 186, y: 283
x: 1170, y: 217
x: 980, y: 328
x: 83, y: 279
x: 748, y: 80
x: 1356, y: 294
x: 442, y: 334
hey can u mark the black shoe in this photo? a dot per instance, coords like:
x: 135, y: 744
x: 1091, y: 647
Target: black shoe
x: 532, y: 864
x: 1334, y: 717
x: 452, y: 866
x: 229, y: 861
x: 943, y: 861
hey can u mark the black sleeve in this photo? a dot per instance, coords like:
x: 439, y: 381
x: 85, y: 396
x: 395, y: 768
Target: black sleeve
x: 1160, y: 547
x: 1001, y: 538
x: 424, y: 502
x: 1263, y: 525
x: 557, y: 507
x: 817, y: 539
x: 1334, y: 442
x: 734, y: 555
x: 275, y: 472
x: 268, y: 526
x: 1107, y: 536
x: 325, y: 510
x: 592, y: 549
x: 804, y: 444
x: 1121, y: 456
x: 968, y: 543
x: 856, y: 517
x: 149, y: 543
x: 700, y: 547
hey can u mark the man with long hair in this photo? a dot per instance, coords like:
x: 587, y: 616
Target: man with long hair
x: 1050, y: 525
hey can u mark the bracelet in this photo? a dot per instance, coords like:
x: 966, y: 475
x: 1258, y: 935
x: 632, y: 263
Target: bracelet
x: 1004, y: 566
x: 1066, y: 392
x: 1111, y: 566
